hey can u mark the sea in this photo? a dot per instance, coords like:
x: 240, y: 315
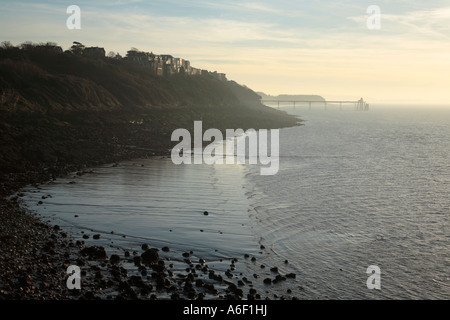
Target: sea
x: 354, y: 190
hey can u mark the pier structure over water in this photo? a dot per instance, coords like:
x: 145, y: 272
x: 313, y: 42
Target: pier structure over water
x: 359, y: 105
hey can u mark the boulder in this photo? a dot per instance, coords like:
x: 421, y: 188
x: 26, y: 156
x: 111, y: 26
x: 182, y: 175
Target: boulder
x: 150, y: 256
x: 94, y: 252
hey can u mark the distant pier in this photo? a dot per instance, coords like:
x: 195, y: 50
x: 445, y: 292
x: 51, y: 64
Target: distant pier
x: 359, y: 105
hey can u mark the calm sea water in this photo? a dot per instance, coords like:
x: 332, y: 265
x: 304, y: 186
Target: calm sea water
x: 357, y: 189
x: 354, y: 189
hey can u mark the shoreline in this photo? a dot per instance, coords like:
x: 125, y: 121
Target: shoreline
x: 107, y: 116
x: 34, y: 254
x: 169, y: 275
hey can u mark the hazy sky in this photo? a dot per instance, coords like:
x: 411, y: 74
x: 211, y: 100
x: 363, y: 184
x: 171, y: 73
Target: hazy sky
x: 298, y: 47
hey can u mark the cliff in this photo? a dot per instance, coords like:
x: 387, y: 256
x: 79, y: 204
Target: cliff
x: 59, y: 111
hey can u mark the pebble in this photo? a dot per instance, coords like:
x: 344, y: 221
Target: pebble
x: 114, y: 259
x: 114, y: 277
x: 278, y: 278
x: 137, y: 260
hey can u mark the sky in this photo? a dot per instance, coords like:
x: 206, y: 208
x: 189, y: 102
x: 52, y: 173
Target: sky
x: 322, y: 47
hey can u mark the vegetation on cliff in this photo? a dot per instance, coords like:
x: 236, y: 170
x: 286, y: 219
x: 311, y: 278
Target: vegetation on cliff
x: 59, y: 109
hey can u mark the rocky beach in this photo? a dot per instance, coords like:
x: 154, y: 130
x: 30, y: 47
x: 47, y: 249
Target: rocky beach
x: 35, y: 255
x: 108, y: 111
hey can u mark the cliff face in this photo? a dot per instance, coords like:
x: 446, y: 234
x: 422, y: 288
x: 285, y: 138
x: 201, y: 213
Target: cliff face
x: 59, y: 110
x: 61, y: 82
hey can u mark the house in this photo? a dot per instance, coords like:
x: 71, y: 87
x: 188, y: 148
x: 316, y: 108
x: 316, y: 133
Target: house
x: 136, y: 56
x: 195, y: 71
x: 167, y: 65
x: 167, y: 59
x: 178, y: 62
x: 94, y: 52
x: 219, y: 76
x: 187, y: 66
